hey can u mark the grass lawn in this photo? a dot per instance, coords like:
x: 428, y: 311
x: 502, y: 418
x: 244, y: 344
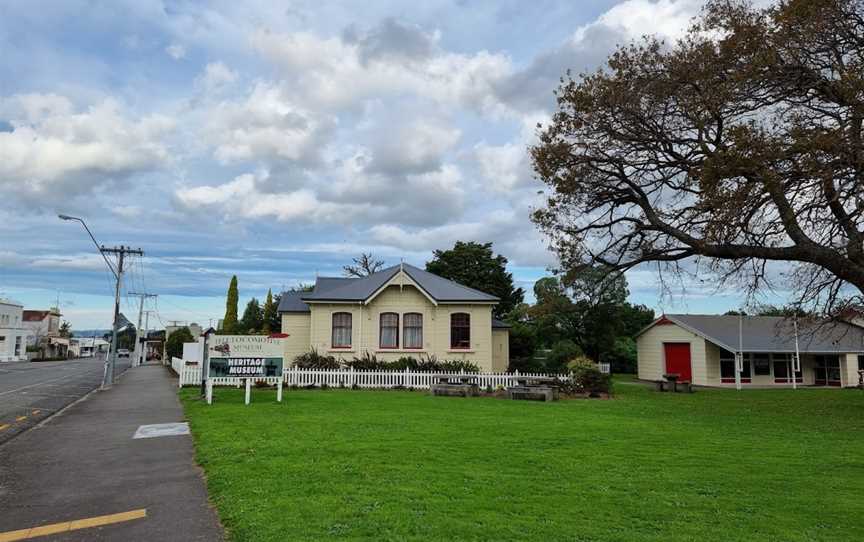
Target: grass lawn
x: 715, y: 465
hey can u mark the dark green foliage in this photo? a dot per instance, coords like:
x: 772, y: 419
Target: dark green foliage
x: 269, y: 316
x: 474, y: 265
x: 622, y: 357
x: 426, y: 363
x: 589, y: 308
x: 562, y: 353
x: 585, y: 377
x: 313, y: 360
x: 366, y: 362
x: 229, y: 323
x: 174, y: 343
x: 252, y: 318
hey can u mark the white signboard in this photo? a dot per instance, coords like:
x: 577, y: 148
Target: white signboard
x: 246, y: 356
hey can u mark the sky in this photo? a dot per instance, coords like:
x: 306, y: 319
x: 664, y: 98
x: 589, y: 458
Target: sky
x: 277, y: 140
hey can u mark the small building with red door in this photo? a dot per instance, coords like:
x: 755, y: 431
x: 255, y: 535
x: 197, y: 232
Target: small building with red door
x: 701, y: 349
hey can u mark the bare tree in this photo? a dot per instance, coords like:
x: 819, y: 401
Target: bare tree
x: 739, y: 146
x: 364, y: 265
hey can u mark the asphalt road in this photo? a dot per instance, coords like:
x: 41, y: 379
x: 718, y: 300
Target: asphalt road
x: 33, y: 391
x: 85, y: 463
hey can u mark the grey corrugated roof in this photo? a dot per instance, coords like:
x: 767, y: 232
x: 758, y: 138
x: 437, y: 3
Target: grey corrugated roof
x: 774, y: 333
x: 360, y: 289
x: 499, y: 324
x: 291, y: 302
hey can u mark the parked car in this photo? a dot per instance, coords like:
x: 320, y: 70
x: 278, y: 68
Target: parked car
x: 122, y: 353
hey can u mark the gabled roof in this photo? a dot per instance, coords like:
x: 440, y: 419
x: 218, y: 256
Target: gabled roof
x: 290, y: 302
x: 770, y: 333
x: 500, y: 324
x: 361, y: 289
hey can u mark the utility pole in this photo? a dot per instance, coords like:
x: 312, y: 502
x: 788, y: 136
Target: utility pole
x: 138, y: 348
x: 111, y: 361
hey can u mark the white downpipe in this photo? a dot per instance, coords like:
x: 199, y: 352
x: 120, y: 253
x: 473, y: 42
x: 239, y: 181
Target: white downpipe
x: 739, y: 359
x: 796, y: 363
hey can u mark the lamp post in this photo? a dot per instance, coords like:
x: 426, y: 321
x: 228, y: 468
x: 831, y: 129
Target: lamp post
x: 110, y: 360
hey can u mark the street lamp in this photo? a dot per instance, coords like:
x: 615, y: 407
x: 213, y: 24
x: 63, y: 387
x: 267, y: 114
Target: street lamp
x: 98, y: 247
x: 108, y: 372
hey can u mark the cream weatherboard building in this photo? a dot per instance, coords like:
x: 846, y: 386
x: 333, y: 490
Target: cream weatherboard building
x: 399, y: 311
x: 701, y: 349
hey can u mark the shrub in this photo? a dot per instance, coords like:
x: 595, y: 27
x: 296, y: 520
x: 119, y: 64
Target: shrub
x: 457, y: 365
x: 585, y: 377
x: 366, y: 362
x: 562, y: 352
x: 313, y: 360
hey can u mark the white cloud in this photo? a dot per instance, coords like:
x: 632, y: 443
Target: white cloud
x: 414, y: 146
x: 216, y: 77
x: 505, y: 167
x: 337, y: 73
x: 266, y: 125
x: 176, y: 51
x: 57, y: 152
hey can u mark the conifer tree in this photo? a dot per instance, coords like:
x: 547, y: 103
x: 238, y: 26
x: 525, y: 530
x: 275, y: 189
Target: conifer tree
x: 229, y: 323
x: 269, y: 315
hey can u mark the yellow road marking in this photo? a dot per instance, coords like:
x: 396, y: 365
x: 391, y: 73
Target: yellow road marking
x: 4, y: 426
x: 65, y: 526
x: 20, y: 418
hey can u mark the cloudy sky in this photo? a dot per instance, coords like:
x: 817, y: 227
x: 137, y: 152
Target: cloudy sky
x: 275, y: 140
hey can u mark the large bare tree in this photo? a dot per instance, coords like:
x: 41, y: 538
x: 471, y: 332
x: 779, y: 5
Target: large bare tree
x: 738, y: 146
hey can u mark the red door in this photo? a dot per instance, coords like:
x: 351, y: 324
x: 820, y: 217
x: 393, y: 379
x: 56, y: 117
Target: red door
x: 678, y: 360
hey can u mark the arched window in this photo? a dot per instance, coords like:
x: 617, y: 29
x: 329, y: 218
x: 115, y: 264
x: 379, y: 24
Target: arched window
x: 412, y: 323
x: 460, y: 330
x: 389, y: 330
x: 341, y: 330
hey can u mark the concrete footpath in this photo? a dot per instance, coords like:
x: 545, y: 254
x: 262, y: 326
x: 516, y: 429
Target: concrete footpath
x: 83, y: 464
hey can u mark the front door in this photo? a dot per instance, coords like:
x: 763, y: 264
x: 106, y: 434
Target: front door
x: 678, y: 360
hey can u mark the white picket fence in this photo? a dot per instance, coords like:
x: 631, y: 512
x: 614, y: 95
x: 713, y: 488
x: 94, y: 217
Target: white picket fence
x: 349, y: 378
x: 190, y: 375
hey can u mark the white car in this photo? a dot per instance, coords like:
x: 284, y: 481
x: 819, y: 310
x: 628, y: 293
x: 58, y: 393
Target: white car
x: 122, y: 353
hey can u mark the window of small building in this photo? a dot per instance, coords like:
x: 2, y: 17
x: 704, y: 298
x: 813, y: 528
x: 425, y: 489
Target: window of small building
x: 412, y: 323
x: 727, y: 367
x: 762, y: 364
x: 460, y: 330
x: 389, y: 330
x: 341, y: 337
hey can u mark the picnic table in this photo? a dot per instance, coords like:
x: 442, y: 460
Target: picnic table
x: 534, y: 388
x: 674, y: 382
x: 456, y: 385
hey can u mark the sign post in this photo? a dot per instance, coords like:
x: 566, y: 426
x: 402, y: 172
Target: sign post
x: 247, y: 357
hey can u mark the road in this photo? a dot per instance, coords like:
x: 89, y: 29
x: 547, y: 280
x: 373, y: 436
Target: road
x: 32, y: 391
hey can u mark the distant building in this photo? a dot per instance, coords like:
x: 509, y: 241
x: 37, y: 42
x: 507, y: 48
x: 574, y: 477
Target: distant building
x: 702, y: 349
x: 41, y: 324
x: 13, y: 334
x: 87, y: 347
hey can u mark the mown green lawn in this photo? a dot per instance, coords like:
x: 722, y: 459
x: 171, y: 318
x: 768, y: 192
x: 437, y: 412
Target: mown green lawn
x: 715, y: 465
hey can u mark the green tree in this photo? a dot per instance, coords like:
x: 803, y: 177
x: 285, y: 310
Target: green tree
x: 269, y: 315
x: 474, y: 265
x: 251, y: 321
x: 229, y: 323
x: 65, y: 330
x: 174, y: 342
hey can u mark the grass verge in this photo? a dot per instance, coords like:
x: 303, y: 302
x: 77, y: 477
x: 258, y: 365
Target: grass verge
x: 715, y: 465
